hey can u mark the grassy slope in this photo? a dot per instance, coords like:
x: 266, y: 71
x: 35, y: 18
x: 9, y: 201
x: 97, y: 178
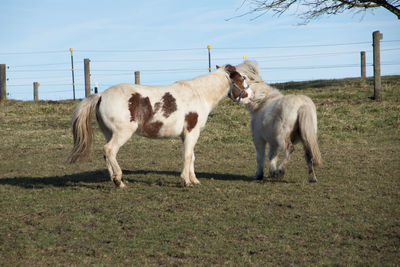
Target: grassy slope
x: 52, y: 212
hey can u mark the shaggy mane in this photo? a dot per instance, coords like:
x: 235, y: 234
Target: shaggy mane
x: 251, y: 70
x: 262, y: 91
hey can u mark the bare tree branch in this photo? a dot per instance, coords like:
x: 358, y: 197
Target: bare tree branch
x: 317, y: 8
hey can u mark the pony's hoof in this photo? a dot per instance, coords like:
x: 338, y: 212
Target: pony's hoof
x: 280, y: 174
x: 119, y: 183
x: 194, y: 180
x: 258, y: 177
x: 312, y: 180
x: 187, y: 183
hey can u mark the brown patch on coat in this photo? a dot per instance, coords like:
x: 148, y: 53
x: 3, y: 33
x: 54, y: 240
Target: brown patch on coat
x: 191, y: 120
x: 152, y: 129
x: 142, y: 113
x: 133, y: 105
x: 157, y: 107
x: 169, y: 105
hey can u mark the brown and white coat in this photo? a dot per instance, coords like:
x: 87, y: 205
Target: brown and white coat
x: 177, y: 110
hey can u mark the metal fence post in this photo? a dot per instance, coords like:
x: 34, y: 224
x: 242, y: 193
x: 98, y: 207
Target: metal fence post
x: 72, y: 71
x: 209, y: 58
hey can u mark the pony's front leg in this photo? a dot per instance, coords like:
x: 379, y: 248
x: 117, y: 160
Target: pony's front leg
x: 189, y: 141
x: 192, y: 175
x: 260, y: 156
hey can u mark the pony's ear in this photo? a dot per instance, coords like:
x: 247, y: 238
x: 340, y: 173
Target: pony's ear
x: 230, y: 69
x: 217, y: 66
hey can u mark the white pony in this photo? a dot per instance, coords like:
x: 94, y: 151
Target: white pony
x: 180, y: 109
x: 281, y: 121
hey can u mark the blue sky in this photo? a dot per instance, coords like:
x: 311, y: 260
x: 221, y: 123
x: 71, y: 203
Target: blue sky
x: 167, y: 41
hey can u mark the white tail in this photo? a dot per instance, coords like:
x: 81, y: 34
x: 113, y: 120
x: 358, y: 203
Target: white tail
x: 308, y: 132
x: 81, y: 128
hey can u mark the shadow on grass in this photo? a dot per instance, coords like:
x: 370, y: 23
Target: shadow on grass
x: 96, y: 179
x: 71, y: 180
x: 200, y: 175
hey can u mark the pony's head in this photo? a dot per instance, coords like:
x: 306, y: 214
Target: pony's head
x: 239, y: 90
x: 251, y: 70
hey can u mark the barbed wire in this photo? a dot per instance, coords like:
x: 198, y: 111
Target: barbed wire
x: 102, y: 68
x: 259, y: 58
x: 190, y: 49
x: 182, y: 70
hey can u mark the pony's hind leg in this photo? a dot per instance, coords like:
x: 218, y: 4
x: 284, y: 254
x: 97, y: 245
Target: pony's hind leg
x: 111, y: 149
x: 287, y: 149
x: 273, y: 159
x: 312, y: 178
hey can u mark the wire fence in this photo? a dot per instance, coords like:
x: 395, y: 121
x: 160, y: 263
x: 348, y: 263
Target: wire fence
x: 52, y: 69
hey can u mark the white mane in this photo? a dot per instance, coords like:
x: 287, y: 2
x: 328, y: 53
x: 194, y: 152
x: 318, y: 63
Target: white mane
x: 262, y: 91
x: 251, y: 70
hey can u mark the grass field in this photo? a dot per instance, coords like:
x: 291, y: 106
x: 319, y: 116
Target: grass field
x: 54, y: 213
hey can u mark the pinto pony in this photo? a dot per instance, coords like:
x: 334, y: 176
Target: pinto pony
x: 180, y: 109
x: 281, y: 121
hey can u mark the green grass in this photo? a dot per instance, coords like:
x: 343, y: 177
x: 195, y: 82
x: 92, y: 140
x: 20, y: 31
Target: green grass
x: 54, y: 213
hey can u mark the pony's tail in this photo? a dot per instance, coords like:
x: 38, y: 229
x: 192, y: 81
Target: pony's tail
x: 81, y: 128
x: 308, y: 132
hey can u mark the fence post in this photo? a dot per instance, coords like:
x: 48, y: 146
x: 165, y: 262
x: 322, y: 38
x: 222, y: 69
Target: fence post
x: 36, y: 91
x: 137, y: 77
x: 86, y: 63
x: 377, y: 36
x: 3, y: 93
x: 363, y: 64
x: 209, y: 58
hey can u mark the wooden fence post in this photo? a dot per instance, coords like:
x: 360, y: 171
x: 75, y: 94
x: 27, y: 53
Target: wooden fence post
x: 377, y: 36
x: 3, y: 92
x: 363, y: 65
x: 86, y: 63
x: 137, y: 77
x: 36, y: 91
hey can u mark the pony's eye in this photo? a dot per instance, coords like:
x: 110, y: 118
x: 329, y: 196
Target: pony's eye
x: 244, y: 77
